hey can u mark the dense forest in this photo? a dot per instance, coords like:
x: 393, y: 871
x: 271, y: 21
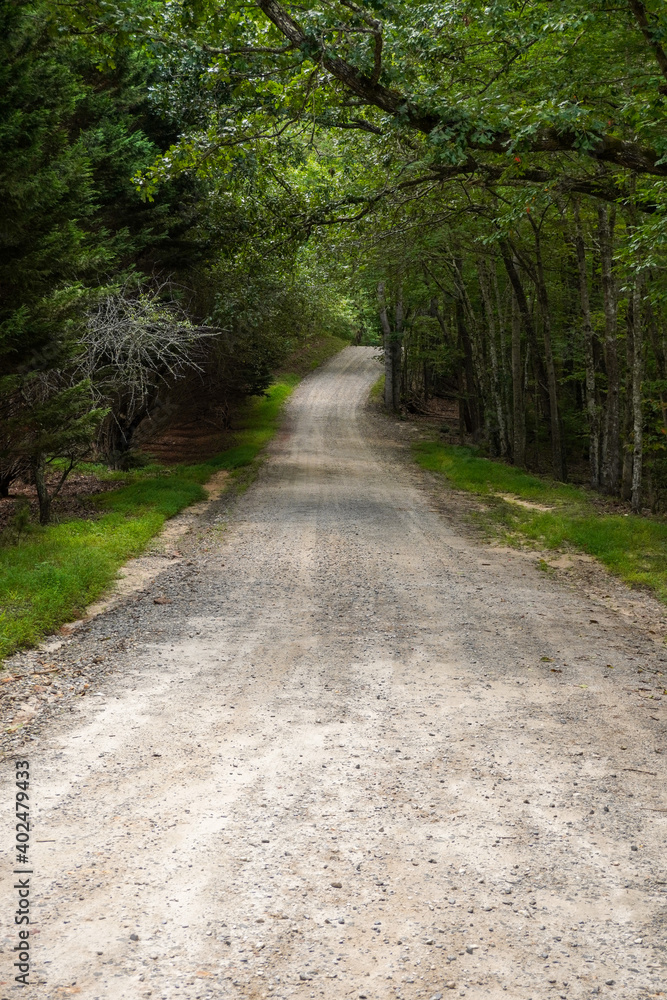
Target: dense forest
x: 192, y: 186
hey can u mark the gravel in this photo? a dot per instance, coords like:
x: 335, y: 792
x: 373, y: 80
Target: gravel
x: 221, y: 781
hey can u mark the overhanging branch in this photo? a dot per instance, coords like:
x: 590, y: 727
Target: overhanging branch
x: 550, y: 139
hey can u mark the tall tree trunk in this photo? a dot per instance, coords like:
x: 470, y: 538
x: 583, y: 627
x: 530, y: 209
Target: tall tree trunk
x: 611, y: 439
x: 392, y: 349
x: 493, y: 355
x: 505, y: 380
x: 536, y: 407
x: 397, y: 347
x: 557, y: 463
x: 510, y: 262
x: 386, y: 337
x: 637, y: 377
x: 636, y: 335
x: 518, y: 408
x: 461, y: 386
x: 626, y: 457
x: 475, y: 372
x: 470, y: 400
x: 521, y: 304
x: 591, y: 393
x: 437, y: 312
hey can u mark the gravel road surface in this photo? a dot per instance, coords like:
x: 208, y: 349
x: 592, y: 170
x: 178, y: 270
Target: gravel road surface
x: 353, y: 752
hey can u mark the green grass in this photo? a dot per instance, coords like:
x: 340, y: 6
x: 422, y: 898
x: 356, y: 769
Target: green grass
x: 467, y: 471
x: 50, y: 577
x: 632, y: 547
x: 377, y: 390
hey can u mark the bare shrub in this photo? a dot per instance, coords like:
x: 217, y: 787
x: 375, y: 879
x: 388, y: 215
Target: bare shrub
x: 136, y: 340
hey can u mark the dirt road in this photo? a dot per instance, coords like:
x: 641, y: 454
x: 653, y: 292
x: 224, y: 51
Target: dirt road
x: 359, y: 754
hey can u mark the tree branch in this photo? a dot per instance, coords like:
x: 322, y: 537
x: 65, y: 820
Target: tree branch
x: 606, y: 148
x: 376, y: 29
x: 354, y: 123
x: 639, y: 10
x: 595, y: 187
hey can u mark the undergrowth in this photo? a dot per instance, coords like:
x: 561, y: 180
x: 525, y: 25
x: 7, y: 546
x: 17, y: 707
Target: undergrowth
x: 52, y: 574
x: 633, y: 547
x: 377, y: 390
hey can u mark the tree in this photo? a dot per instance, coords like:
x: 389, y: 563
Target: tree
x: 136, y: 339
x: 70, y: 220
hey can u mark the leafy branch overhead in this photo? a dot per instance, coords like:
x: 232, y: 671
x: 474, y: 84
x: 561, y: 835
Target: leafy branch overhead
x: 477, y: 85
x: 565, y: 126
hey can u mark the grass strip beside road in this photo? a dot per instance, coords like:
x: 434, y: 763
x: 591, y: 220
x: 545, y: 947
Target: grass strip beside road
x: 54, y: 573
x: 632, y: 547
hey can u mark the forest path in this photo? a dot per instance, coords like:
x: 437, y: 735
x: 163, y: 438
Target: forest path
x: 338, y: 765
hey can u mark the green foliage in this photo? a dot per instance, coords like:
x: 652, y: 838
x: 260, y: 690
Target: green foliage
x: 73, y: 132
x: 71, y: 138
x: 424, y: 146
x: 500, y: 80
x: 377, y: 390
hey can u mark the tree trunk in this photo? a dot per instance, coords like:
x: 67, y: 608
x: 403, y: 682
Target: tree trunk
x: 557, y: 463
x: 637, y: 376
x: 396, y: 347
x: 436, y: 311
x: 626, y: 456
x: 392, y: 351
x: 43, y: 497
x: 493, y: 354
x: 116, y: 437
x: 470, y: 400
x: 510, y: 262
x: 591, y: 394
x: 610, y: 443
x: 503, y: 313
x: 536, y: 407
x: 462, y: 407
x: 475, y: 377
x: 518, y: 409
x: 520, y: 313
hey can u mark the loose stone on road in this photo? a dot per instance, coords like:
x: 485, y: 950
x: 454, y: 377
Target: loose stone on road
x: 336, y: 759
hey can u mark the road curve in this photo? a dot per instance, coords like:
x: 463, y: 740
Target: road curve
x: 356, y: 755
